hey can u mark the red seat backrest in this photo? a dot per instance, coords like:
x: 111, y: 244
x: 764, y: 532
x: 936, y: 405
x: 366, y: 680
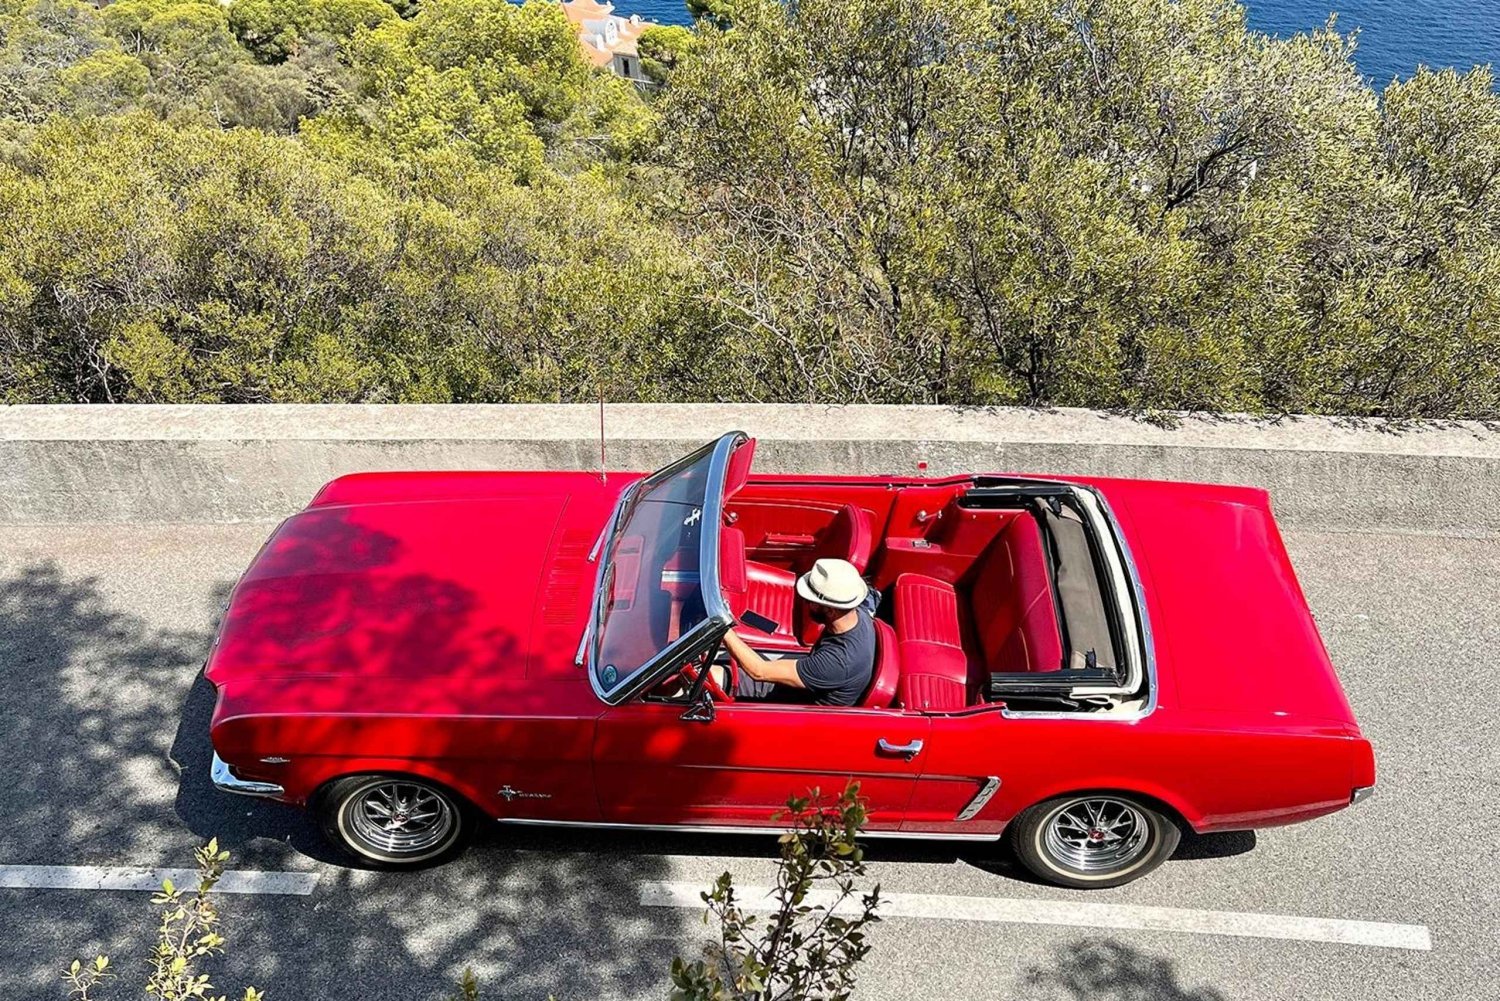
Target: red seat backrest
x: 732, y: 574
x: 848, y: 537
x: 1010, y: 597
x: 887, y: 672
x: 738, y: 472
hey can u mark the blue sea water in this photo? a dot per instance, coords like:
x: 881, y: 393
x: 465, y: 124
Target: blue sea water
x: 1395, y: 35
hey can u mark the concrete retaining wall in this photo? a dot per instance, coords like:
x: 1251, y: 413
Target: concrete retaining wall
x: 235, y: 463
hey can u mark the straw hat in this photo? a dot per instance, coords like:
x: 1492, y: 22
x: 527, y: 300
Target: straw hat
x: 834, y: 583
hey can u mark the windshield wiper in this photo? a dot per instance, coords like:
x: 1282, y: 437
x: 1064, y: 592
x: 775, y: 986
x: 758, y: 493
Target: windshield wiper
x: 601, y: 585
x: 588, y: 643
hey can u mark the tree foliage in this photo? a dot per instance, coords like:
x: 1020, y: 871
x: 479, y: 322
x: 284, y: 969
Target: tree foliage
x: 1133, y: 204
x: 662, y: 47
x: 1112, y: 203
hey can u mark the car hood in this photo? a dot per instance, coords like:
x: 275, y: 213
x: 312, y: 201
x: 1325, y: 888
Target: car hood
x: 468, y: 584
x: 1228, y: 616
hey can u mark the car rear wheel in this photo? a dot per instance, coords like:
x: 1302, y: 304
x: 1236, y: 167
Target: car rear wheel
x: 1093, y: 840
x: 394, y: 821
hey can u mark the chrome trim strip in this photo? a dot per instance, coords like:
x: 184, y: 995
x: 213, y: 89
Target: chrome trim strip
x: 727, y: 829
x: 226, y: 781
x: 708, y: 542
x: 981, y: 798
x: 1144, y: 647
x: 679, y: 577
x: 599, y: 542
x: 1360, y: 794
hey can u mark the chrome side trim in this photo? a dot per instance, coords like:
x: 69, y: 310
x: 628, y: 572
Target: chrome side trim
x: 727, y: 829
x: 226, y: 781
x: 712, y: 591
x: 982, y: 797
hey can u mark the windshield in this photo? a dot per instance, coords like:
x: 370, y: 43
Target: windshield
x: 658, y: 592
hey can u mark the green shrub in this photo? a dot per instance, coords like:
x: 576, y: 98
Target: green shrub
x: 814, y: 937
x: 186, y: 935
x: 1125, y: 204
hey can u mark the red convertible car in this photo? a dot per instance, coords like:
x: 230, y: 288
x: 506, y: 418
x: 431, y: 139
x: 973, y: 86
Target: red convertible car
x: 1087, y: 667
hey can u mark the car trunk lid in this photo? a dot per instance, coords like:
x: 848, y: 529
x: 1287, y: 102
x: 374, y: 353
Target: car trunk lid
x: 1233, y: 621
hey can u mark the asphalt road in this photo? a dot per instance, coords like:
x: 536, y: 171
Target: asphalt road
x: 102, y: 629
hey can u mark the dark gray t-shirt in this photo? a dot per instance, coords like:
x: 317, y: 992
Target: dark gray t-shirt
x: 837, y: 670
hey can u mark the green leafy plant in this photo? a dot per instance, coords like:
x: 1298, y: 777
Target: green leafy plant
x: 808, y: 946
x: 82, y: 979
x: 468, y: 987
x: 187, y: 934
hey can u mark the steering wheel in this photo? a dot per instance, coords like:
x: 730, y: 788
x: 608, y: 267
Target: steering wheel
x: 690, y: 676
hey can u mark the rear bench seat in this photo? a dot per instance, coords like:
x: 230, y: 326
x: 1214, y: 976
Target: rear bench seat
x: 1005, y: 621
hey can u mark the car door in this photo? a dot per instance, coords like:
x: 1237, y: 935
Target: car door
x: 652, y: 767
x: 979, y: 766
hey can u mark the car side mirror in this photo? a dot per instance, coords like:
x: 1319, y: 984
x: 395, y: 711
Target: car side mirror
x: 701, y: 710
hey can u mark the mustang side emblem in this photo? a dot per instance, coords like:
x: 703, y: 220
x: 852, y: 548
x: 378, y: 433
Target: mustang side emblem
x: 511, y: 794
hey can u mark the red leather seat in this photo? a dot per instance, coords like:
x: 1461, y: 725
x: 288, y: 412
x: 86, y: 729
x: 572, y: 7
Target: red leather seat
x: 755, y: 587
x: 1010, y: 598
x: 887, y: 674
x: 934, y: 667
x: 772, y: 592
x: 850, y: 536
x: 1003, y: 621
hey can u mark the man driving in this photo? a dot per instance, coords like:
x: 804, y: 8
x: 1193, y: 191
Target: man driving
x: 837, y: 670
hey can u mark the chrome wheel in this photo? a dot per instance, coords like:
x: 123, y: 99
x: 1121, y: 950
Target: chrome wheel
x: 1096, y: 834
x: 399, y: 820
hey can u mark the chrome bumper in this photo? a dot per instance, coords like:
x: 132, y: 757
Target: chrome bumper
x: 227, y: 781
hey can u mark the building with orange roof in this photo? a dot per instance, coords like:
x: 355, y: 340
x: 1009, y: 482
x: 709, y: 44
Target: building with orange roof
x: 608, y: 39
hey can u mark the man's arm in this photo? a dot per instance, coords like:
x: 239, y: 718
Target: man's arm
x: 782, y: 672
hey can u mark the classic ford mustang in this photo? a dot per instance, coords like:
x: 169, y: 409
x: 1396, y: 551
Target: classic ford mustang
x: 1089, y: 668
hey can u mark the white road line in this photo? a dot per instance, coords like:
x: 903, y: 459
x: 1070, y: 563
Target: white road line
x: 1085, y: 915
x: 95, y: 877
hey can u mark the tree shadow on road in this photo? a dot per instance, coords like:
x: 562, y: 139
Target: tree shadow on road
x: 90, y: 698
x: 1110, y: 970
x: 105, y: 720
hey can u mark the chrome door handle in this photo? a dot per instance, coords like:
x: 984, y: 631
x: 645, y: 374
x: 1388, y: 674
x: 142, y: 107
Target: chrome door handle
x: 908, y: 751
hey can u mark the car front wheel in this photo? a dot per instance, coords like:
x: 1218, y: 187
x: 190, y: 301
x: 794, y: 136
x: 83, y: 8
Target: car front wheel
x: 1093, y: 840
x: 394, y: 821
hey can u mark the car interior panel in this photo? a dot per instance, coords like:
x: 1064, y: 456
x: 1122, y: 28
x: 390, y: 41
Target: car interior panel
x: 789, y: 524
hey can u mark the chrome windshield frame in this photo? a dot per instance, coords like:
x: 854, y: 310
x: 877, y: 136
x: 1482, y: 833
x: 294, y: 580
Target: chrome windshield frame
x: 718, y: 616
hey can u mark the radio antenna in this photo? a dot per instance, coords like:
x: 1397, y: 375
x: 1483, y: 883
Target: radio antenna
x: 602, y: 477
